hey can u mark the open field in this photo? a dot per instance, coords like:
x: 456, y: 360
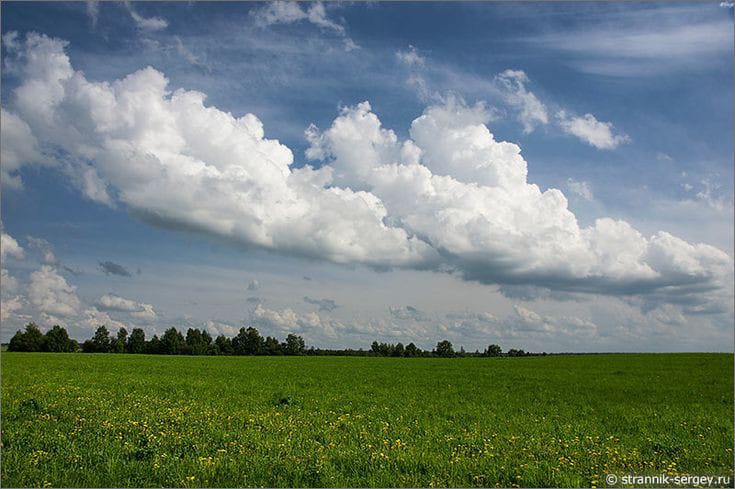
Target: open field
x: 128, y: 420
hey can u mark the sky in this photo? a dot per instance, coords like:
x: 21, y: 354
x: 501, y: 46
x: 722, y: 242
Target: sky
x: 548, y: 176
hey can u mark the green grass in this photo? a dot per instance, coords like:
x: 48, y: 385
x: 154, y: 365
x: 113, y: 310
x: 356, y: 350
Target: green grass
x: 126, y: 420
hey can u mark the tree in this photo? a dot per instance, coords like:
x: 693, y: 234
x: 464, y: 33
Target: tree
x: 172, y: 342
x: 31, y: 340
x: 247, y: 342
x: 118, y: 344
x: 382, y: 349
x: 444, y: 349
x: 412, y: 350
x: 136, y: 341
x: 294, y: 345
x: 100, y: 342
x: 493, y: 351
x: 198, y: 342
x: 153, y: 346
x: 57, y: 340
x: 398, y: 350
x: 516, y: 353
x: 224, y: 345
x: 207, y: 340
x: 271, y: 346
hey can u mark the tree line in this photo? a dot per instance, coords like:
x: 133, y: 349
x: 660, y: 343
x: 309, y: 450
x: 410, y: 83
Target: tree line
x: 248, y: 341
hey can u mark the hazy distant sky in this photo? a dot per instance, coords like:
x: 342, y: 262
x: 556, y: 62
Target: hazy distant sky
x: 547, y: 176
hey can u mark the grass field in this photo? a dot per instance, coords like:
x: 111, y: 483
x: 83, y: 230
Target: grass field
x: 127, y: 420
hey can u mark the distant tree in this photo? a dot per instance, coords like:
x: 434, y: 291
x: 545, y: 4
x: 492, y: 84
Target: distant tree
x: 294, y: 345
x: 444, y: 349
x: 254, y: 343
x: 375, y: 348
x: 412, y: 350
x: 516, y: 353
x: 239, y: 342
x: 117, y: 345
x: 100, y: 342
x: 172, y: 342
x: 57, y: 340
x: 224, y: 345
x: 398, y: 350
x: 154, y: 345
x: 17, y: 342
x: 462, y: 352
x: 207, y: 340
x: 88, y: 347
x: 136, y: 341
x: 247, y: 342
x: 31, y: 340
x: 271, y: 346
x: 493, y: 351
x: 198, y: 342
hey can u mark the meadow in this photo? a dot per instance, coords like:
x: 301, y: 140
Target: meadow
x: 72, y: 420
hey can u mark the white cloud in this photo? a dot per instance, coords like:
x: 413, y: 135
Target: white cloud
x: 279, y: 12
x: 644, y: 42
x: 8, y: 282
x: 112, y: 302
x: 50, y: 293
x: 10, y: 303
x: 467, y: 195
x: 286, y: 321
x: 137, y: 310
x: 18, y: 147
x: 285, y: 12
x: 411, y: 57
x: 48, y: 298
x: 531, y: 112
x: 147, y: 24
x: 450, y: 197
x: 10, y: 247
x: 593, y: 132
x: 44, y: 247
x: 709, y: 195
x: 672, y: 41
x: 147, y: 314
x: 91, y: 318
x: 217, y: 328
x: 9, y: 308
x: 407, y: 313
x: 174, y: 160
x: 581, y: 189
x: 521, y: 323
x: 93, y: 10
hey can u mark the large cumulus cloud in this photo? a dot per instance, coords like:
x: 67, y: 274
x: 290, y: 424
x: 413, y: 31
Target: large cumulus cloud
x: 173, y: 160
x: 467, y: 195
x: 450, y: 197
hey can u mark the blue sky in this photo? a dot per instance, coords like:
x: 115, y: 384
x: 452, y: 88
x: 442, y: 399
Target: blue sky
x: 625, y: 108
